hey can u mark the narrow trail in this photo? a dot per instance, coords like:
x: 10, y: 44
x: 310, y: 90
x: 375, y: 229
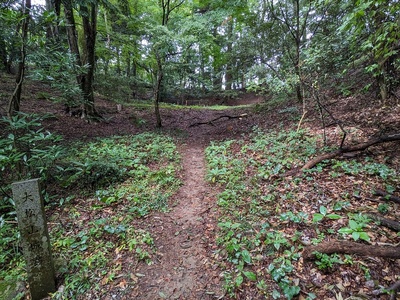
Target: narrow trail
x: 183, y: 268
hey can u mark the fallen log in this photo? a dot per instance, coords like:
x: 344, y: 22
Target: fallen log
x: 394, y: 288
x: 354, y: 148
x: 216, y: 119
x: 387, y: 196
x: 391, y: 224
x: 348, y: 247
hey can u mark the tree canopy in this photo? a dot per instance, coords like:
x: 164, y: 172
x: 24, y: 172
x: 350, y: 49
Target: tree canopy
x: 174, y: 49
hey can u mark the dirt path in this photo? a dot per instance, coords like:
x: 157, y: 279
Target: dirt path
x: 182, y: 268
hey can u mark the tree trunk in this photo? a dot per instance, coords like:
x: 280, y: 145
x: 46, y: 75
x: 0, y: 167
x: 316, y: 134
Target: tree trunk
x: 229, y: 63
x: 72, y: 35
x: 3, y: 53
x: 383, y: 87
x: 52, y: 33
x: 217, y: 69
x: 89, y: 22
x: 14, y: 103
x: 85, y: 81
x: 157, y: 91
x: 118, y: 61
x: 298, y: 37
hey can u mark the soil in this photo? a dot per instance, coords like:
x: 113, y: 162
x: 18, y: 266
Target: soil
x: 183, y: 267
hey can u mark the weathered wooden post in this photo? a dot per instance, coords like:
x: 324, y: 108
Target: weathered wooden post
x: 35, y: 239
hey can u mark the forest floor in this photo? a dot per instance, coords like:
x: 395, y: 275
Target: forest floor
x: 185, y: 265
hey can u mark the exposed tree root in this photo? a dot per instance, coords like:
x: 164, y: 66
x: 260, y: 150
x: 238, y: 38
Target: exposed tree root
x: 391, y: 224
x: 395, y: 288
x: 216, y: 119
x: 359, y: 147
x: 387, y: 196
x: 352, y: 248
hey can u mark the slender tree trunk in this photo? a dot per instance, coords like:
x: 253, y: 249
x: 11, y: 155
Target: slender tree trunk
x: 298, y: 31
x: 383, y: 87
x: 217, y: 71
x: 14, y: 103
x: 89, y: 22
x: 158, y: 91
x: 118, y: 61
x: 128, y: 64
x: 229, y: 63
x: 52, y: 32
x: 3, y: 53
x: 167, y: 7
x: 85, y: 81
x: 72, y: 35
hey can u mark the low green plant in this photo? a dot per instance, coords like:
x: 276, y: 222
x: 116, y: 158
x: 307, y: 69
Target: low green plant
x: 110, y: 161
x: 367, y: 167
x: 300, y: 217
x: 277, y: 239
x: 84, y: 258
x: 340, y: 205
x: 367, y: 272
x: 355, y: 227
x: 91, y: 174
x: 320, y: 237
x: 26, y: 151
x: 383, y: 208
x: 323, y: 213
x: 325, y: 261
x: 280, y: 270
x: 10, y: 252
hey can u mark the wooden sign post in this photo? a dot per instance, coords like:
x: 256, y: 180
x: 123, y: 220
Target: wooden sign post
x: 35, y: 239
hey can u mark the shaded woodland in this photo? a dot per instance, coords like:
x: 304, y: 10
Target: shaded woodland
x: 294, y: 105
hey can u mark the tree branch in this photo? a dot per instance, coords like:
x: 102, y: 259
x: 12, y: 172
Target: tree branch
x: 359, y: 147
x: 216, y: 119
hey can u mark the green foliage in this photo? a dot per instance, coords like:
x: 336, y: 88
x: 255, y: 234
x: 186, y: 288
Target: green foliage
x: 300, y: 217
x: 281, y: 151
x: 249, y: 173
x: 115, y: 88
x: 279, y: 270
x: 383, y: 208
x: 366, y: 167
x: 372, y: 24
x: 83, y: 259
x: 244, y: 235
x: 323, y: 214
x: 356, y: 226
x: 133, y: 175
x: 59, y: 70
x: 10, y: 253
x: 27, y: 151
x: 92, y: 174
x: 325, y: 261
x: 277, y: 239
x: 110, y: 161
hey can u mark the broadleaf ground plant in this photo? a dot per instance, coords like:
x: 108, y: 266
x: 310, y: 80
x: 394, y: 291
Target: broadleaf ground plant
x: 272, y: 218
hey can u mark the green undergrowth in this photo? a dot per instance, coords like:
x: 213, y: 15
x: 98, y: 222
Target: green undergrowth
x: 105, y: 188
x: 266, y: 219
